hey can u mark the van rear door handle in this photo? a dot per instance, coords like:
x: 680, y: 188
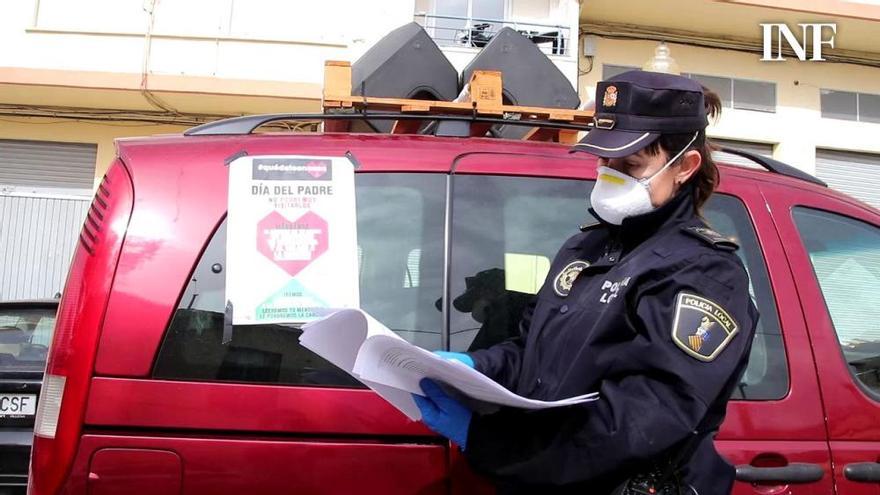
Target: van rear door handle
x: 794, y: 473
x: 868, y: 472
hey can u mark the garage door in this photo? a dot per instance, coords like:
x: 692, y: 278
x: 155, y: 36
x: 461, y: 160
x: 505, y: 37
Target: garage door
x: 45, y: 190
x: 856, y: 174
x: 757, y: 148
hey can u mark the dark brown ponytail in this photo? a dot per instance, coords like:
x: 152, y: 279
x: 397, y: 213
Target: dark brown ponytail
x: 706, y: 179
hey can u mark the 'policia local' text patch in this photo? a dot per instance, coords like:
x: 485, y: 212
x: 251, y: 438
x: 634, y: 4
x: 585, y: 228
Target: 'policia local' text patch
x: 701, y: 328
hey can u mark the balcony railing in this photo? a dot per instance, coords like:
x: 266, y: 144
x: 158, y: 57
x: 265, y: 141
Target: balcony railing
x: 475, y: 32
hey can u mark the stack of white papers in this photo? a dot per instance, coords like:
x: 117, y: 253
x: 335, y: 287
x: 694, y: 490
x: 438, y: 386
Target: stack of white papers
x: 357, y: 343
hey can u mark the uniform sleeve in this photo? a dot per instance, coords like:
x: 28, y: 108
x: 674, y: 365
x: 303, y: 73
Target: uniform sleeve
x: 656, y: 397
x: 501, y: 362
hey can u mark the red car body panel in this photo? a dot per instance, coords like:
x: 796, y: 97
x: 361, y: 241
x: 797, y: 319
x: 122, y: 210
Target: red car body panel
x: 251, y: 464
x: 134, y: 472
x: 79, y: 321
x: 232, y: 438
x: 853, y: 417
x: 122, y: 402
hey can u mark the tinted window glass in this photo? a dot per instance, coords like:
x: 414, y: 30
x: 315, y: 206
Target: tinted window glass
x: 506, y: 231
x: 766, y: 376
x: 838, y: 104
x: 869, y: 108
x: 401, y: 221
x: 25, y: 334
x: 845, y: 254
x: 754, y: 95
x: 400, y: 252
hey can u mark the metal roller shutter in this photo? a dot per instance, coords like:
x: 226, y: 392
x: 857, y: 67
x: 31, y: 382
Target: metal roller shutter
x: 47, y: 165
x: 757, y: 148
x: 856, y: 174
x: 45, y: 190
x: 37, y: 238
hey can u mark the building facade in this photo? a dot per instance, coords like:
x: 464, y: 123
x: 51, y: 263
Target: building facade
x: 75, y: 75
x: 819, y: 116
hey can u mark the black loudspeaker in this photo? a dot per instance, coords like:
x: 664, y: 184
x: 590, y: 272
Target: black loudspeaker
x: 406, y: 63
x: 528, y: 76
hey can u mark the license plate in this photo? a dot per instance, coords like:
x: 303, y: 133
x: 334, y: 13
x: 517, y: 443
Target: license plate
x: 17, y: 405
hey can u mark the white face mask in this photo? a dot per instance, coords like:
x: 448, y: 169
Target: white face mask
x: 617, y: 195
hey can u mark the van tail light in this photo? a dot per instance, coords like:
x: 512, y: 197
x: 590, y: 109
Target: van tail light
x: 62, y: 405
x: 50, y: 406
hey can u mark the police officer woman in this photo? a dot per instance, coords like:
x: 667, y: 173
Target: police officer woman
x: 646, y: 305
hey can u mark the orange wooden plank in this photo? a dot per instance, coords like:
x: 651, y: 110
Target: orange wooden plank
x: 376, y: 103
x: 337, y: 79
x: 568, y: 136
x: 485, y: 91
x: 564, y: 136
x: 415, y: 108
x: 406, y: 126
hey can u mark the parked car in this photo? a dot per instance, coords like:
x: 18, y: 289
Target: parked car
x: 25, y: 334
x: 143, y: 394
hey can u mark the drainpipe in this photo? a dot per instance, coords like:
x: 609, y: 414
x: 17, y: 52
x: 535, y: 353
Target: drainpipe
x: 150, y: 7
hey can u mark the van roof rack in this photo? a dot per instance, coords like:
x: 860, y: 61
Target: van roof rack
x: 775, y: 166
x: 480, y: 106
x: 248, y: 123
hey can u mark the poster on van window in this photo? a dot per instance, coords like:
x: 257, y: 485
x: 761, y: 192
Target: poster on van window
x: 291, y: 247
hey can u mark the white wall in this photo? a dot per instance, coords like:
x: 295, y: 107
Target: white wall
x: 279, y: 40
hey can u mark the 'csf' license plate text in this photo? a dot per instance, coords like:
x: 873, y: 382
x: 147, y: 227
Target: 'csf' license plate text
x: 17, y: 406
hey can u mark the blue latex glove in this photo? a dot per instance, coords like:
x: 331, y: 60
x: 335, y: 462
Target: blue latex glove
x: 458, y: 356
x: 443, y: 414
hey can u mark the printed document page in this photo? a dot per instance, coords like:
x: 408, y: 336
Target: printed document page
x: 364, y: 347
x: 338, y: 339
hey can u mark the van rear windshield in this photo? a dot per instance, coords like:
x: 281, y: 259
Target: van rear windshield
x: 25, y: 335
x: 400, y: 219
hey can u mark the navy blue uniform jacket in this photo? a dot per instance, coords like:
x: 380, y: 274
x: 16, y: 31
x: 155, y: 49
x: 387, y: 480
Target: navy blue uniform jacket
x: 660, y: 322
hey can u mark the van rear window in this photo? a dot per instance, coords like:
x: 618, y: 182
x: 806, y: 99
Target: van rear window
x: 400, y: 268
x: 25, y: 334
x: 506, y: 229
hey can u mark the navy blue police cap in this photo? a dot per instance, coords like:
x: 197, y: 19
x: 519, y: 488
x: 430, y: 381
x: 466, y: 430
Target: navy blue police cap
x: 634, y: 108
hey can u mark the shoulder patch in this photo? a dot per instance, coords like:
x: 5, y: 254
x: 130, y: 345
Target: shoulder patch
x: 712, y: 238
x: 700, y: 327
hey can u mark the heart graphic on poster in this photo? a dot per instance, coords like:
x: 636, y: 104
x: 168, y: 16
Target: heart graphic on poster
x: 292, y: 244
x: 317, y: 168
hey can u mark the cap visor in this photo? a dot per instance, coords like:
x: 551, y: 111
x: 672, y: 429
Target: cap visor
x: 612, y: 143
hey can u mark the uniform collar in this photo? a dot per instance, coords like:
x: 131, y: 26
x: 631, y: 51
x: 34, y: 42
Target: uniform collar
x: 634, y: 230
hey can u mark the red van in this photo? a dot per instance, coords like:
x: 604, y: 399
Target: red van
x: 144, y: 395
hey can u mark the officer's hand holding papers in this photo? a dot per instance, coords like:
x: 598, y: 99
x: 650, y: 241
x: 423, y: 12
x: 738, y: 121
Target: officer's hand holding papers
x: 357, y: 343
